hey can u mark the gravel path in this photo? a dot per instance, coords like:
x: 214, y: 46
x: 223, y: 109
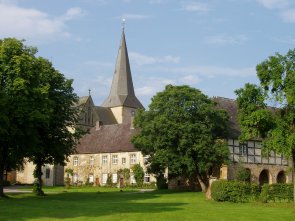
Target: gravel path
x: 16, y: 189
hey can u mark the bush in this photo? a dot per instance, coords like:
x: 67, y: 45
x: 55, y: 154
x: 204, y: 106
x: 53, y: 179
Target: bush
x: 67, y: 182
x: 233, y: 191
x: 110, y: 181
x: 125, y: 173
x: 138, y: 174
x: 276, y: 192
x: 242, y: 174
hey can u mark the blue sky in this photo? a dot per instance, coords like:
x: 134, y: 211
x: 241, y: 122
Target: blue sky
x: 211, y: 45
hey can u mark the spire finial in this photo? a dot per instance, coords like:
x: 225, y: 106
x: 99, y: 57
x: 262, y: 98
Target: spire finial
x: 89, y: 91
x: 123, y: 24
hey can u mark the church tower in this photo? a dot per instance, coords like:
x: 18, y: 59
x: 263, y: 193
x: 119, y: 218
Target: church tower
x: 122, y: 100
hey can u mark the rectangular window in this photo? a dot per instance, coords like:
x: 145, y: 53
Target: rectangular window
x: 104, y: 178
x: 75, y: 161
x: 132, y: 159
x: 146, y: 178
x: 104, y: 159
x: 115, y: 159
x: 114, y: 178
x: 91, y: 178
x: 243, y: 149
x: 91, y: 161
x: 47, y: 173
x: 123, y: 160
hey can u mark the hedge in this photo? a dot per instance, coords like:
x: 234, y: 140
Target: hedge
x: 276, y: 192
x: 237, y: 191
x: 234, y: 191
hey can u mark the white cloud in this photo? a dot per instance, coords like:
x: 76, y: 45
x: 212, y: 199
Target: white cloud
x: 288, y: 15
x: 226, y: 39
x: 140, y: 59
x: 99, y: 64
x: 133, y: 16
x: 285, y: 8
x: 274, y: 4
x: 21, y: 22
x: 285, y: 40
x: 196, y: 7
x: 145, y: 91
x: 73, y: 13
x: 209, y: 71
x: 190, y: 79
x: 156, y: 1
x: 152, y: 85
x: 220, y: 71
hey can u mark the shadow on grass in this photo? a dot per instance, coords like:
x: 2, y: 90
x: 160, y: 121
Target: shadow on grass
x: 83, y: 204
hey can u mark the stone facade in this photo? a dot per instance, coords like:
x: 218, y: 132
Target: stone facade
x: 53, y: 175
x: 94, y: 168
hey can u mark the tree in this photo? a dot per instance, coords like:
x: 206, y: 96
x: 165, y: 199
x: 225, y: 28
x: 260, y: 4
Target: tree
x: 182, y: 131
x: 138, y: 174
x: 22, y: 103
x: 276, y: 126
x: 36, y: 110
x: 56, y: 140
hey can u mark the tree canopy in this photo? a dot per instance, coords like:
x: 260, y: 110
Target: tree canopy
x: 182, y: 131
x: 36, y: 109
x: 275, y: 125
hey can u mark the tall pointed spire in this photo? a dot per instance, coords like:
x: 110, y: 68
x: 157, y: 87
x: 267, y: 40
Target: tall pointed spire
x: 122, y: 91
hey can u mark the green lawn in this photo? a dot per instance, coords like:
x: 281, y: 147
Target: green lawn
x: 110, y: 204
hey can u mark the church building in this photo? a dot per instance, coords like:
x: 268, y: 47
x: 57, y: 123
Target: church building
x: 107, y: 148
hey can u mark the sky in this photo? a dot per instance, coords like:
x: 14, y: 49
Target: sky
x: 211, y: 45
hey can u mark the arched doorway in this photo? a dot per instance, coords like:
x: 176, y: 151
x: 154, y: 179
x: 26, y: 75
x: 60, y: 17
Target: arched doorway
x: 281, y: 177
x: 264, y: 177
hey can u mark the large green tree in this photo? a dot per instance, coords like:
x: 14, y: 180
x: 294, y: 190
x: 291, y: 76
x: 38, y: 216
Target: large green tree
x: 57, y: 140
x: 182, y: 131
x: 22, y: 103
x: 276, y: 126
x: 36, y: 107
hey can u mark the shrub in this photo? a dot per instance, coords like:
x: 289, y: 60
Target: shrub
x: 242, y: 174
x: 233, y: 191
x: 138, y: 174
x: 87, y: 183
x: 110, y: 181
x: 125, y: 173
x: 150, y: 185
x: 67, y: 182
x: 276, y: 192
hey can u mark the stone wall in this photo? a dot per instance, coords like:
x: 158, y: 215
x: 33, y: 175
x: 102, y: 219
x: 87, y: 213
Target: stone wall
x: 94, y: 167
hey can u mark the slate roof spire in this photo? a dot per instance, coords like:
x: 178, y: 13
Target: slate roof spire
x: 122, y: 90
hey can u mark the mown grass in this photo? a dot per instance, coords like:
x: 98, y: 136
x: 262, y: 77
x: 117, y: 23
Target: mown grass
x: 90, y: 203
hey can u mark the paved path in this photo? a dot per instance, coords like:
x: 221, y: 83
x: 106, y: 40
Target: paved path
x: 16, y: 189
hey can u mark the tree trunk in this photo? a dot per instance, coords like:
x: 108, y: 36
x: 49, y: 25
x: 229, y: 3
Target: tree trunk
x: 202, y: 183
x: 38, y: 175
x: 2, y: 179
